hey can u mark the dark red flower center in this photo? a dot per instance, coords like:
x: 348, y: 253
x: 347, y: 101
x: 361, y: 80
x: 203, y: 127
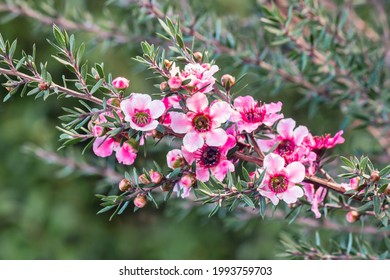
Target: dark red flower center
x: 210, y: 156
x: 141, y: 117
x: 201, y: 123
x: 286, y: 147
x: 278, y: 184
x: 253, y: 115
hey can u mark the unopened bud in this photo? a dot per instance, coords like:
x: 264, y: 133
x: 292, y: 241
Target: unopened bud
x: 155, y: 176
x: 142, y: 179
x: 120, y: 83
x: 250, y: 185
x: 188, y: 180
x: 163, y: 86
x: 198, y: 56
x: 157, y: 134
x: 375, y: 176
x: 352, y: 216
x: 124, y: 185
x: 114, y: 102
x: 227, y: 81
x: 167, y: 63
x: 43, y: 86
x: 234, y: 189
x: 140, y: 201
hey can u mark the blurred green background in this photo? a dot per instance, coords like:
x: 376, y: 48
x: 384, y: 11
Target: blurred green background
x: 45, y: 215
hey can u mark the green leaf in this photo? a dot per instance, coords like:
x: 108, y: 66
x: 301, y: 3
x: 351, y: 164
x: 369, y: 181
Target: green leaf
x: 97, y: 86
x: 263, y: 206
x: 105, y: 209
x: 215, y: 210
x: 123, y: 208
x: 248, y: 201
x: 204, y: 188
x: 385, y: 171
x: 377, y: 207
x: 245, y: 173
x: 347, y: 162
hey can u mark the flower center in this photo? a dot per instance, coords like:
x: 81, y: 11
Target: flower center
x: 253, y: 115
x: 278, y: 184
x: 286, y: 147
x: 141, y: 118
x: 201, y: 123
x: 210, y: 156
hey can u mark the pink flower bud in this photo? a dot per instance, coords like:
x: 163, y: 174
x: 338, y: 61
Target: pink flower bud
x: 198, y: 56
x: 142, y: 179
x: 140, y: 201
x: 175, y: 83
x: 120, y: 83
x: 155, y: 176
x: 187, y: 180
x: 352, y: 216
x: 124, y: 185
x: 227, y: 81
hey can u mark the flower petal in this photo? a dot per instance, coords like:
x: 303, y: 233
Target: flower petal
x: 291, y: 194
x: 126, y: 154
x: 156, y: 108
x: 299, y: 134
x: 193, y: 141
x: 127, y: 108
x: 140, y: 101
x: 296, y: 172
x: 285, y: 128
x: 202, y: 174
x: 271, y: 195
x: 103, y: 147
x: 180, y: 122
x: 220, y: 111
x: 198, y: 102
x: 244, y: 102
x: 273, y: 163
x: 267, y: 145
x: 221, y: 169
x: 216, y: 137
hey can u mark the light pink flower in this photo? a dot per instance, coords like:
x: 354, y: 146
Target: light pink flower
x: 281, y: 182
x: 250, y: 114
x: 172, y: 101
x: 142, y: 112
x: 199, y: 76
x: 201, y: 124
x: 315, y: 197
x: 211, y: 159
x: 120, y: 83
x: 289, y: 142
x: 175, y: 159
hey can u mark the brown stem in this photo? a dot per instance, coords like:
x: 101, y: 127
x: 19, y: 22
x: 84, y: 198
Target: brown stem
x: 53, y: 86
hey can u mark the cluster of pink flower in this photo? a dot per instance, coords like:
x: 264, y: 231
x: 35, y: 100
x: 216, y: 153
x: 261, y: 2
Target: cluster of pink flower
x: 210, y: 130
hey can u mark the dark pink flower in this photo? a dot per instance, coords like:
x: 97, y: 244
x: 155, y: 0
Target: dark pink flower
x: 289, y: 142
x: 324, y: 141
x: 250, y: 114
x: 280, y: 182
x: 211, y: 159
x: 201, y: 123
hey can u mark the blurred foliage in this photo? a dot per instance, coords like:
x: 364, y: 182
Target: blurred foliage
x: 46, y: 214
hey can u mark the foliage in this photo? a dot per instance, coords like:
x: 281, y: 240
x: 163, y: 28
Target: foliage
x: 303, y: 47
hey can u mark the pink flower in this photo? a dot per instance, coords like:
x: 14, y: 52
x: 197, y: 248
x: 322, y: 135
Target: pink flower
x: 324, y: 141
x: 200, y: 77
x: 175, y: 159
x: 142, y: 112
x: 315, y: 197
x: 126, y: 154
x: 120, y: 83
x: 172, y: 101
x: 201, y: 123
x: 211, y: 159
x: 281, y: 182
x: 289, y: 142
x: 105, y: 146
x: 250, y: 114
